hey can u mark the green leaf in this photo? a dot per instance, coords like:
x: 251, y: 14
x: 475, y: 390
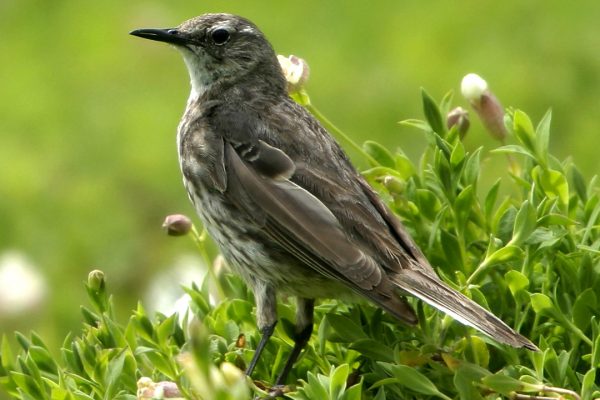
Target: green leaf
x: 413, y: 379
x: 579, y: 184
x: 585, y: 305
x: 379, y: 153
x: 451, y: 246
x: 457, y: 156
x: 344, y: 329
x: 22, y: 340
x: 380, y: 394
x: 588, y: 385
x: 556, y: 219
x: 428, y: 203
x: 503, y: 384
x: 543, y: 133
x: 525, y: 223
x: 466, y: 379
x: 514, y: 149
x: 523, y: 129
x: 144, y: 325
x: 353, y: 393
x: 6, y: 355
x: 490, y: 200
x: 554, y: 184
x: 404, y: 167
x: 472, y: 168
x: 504, y: 220
x: 381, y: 172
x: 542, y: 304
x: 416, y: 123
x: 315, y: 389
x: 444, y: 146
x: 479, y: 350
x: 165, y: 329
x: 43, y: 359
x: 463, y: 206
x: 160, y: 361
x: 503, y: 255
x: 432, y: 114
x: 446, y: 103
x: 373, y: 350
x: 596, y: 352
x: 517, y: 282
x: 337, y: 382
x: 27, y: 385
x: 37, y: 340
x: 114, y: 370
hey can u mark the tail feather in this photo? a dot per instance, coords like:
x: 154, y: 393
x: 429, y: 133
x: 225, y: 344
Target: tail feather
x: 437, y: 294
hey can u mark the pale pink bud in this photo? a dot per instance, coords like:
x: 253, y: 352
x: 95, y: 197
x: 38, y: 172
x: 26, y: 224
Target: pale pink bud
x: 458, y: 117
x: 487, y: 106
x: 147, y: 389
x: 177, y: 225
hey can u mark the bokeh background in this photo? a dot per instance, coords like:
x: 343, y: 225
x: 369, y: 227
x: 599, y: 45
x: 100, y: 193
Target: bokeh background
x: 88, y: 164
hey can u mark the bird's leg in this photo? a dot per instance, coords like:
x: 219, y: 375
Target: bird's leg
x: 304, y: 327
x: 266, y: 318
x: 266, y: 334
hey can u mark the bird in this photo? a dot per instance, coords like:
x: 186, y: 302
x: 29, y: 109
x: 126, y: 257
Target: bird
x: 282, y: 200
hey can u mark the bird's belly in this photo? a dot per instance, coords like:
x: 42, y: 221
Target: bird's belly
x: 255, y: 256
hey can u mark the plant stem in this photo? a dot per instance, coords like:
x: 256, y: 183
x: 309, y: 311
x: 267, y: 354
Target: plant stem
x: 303, y: 99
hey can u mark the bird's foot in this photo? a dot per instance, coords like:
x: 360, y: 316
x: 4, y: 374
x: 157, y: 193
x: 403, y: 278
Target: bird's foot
x: 274, y: 392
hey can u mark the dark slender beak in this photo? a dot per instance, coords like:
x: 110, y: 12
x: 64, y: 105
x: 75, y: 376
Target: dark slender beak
x: 169, y: 35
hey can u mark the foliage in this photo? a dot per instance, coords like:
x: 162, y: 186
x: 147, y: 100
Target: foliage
x: 528, y: 250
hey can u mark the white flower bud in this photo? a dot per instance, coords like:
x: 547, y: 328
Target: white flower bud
x: 473, y: 87
x: 295, y: 70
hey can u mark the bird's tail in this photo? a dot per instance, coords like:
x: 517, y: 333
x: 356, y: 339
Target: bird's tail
x: 436, y: 293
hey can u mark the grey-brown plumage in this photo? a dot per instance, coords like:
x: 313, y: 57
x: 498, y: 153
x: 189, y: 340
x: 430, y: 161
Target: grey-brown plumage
x: 280, y: 197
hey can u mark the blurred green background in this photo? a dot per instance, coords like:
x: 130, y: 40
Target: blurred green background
x: 88, y: 164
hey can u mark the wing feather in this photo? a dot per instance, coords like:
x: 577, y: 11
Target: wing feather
x: 305, y: 227
x: 311, y: 223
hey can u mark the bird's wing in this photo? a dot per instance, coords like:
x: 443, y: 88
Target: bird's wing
x: 258, y: 178
x: 396, y: 229
x: 258, y: 182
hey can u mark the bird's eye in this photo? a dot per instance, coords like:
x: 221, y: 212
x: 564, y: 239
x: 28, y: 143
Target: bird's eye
x: 220, y: 36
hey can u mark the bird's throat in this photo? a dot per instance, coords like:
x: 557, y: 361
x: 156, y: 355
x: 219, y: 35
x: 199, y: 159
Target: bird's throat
x: 200, y: 79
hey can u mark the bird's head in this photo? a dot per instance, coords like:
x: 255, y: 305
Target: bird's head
x: 221, y: 48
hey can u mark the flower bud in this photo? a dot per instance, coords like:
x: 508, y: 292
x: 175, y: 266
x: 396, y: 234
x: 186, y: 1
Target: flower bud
x: 458, y: 117
x: 393, y: 184
x: 473, y: 87
x: 231, y: 373
x: 147, y: 389
x: 295, y: 70
x: 96, y: 280
x: 487, y: 106
x: 177, y: 225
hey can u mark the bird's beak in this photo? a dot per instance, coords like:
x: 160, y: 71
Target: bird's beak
x: 169, y: 35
